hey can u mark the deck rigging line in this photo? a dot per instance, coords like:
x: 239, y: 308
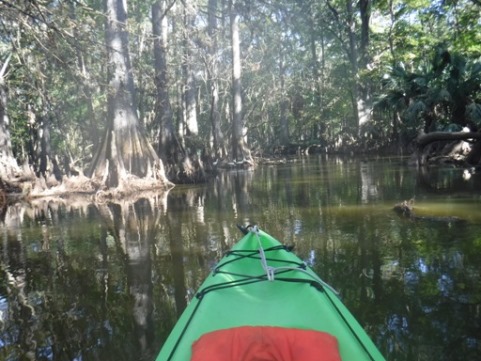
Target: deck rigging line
x: 271, y: 274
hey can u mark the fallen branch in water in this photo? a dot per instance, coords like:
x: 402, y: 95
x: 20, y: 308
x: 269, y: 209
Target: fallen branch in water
x: 406, y: 210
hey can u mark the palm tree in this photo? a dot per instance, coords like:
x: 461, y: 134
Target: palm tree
x: 437, y: 100
x: 445, y: 95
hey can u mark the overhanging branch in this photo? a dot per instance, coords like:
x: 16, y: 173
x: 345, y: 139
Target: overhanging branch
x: 427, y: 138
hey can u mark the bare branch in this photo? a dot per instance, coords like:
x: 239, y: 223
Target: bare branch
x: 4, y: 67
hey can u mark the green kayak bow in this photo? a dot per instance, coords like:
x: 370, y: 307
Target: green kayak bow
x: 259, y: 283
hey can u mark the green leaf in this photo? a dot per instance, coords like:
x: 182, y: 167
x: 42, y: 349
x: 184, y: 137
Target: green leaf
x: 473, y: 112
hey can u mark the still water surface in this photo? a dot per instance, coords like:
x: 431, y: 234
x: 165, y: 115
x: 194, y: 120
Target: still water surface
x: 107, y: 281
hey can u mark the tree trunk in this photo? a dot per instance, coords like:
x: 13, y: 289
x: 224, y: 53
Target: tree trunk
x: 317, y: 71
x: 125, y: 150
x: 168, y: 143
x: 8, y: 163
x: 179, y: 167
x: 178, y: 101
x: 217, y: 135
x: 190, y: 88
x: 364, y: 93
x: 240, y: 151
x: 85, y: 85
x: 284, y: 122
x: 358, y: 59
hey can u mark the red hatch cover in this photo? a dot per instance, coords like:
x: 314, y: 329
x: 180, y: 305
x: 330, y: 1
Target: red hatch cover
x: 265, y: 343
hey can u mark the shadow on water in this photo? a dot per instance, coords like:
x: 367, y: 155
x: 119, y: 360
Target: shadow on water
x: 108, y: 281
x: 70, y: 293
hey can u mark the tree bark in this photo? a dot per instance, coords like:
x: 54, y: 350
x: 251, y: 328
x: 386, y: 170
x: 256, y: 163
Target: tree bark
x: 358, y: 55
x: 190, y: 88
x: 364, y: 92
x: 317, y: 71
x: 215, y: 120
x: 179, y: 167
x: 240, y: 151
x: 8, y: 163
x: 284, y: 122
x: 85, y: 85
x: 168, y: 142
x: 125, y: 150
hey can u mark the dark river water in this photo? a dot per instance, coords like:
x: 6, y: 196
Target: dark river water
x: 107, y: 281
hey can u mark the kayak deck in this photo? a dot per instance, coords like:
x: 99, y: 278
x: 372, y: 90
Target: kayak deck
x: 261, y: 283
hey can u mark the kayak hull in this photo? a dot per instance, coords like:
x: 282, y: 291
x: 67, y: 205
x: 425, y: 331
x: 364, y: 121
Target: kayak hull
x: 267, y: 287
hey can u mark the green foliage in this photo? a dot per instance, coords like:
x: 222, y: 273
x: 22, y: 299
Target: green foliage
x: 444, y: 94
x: 294, y: 55
x: 473, y: 111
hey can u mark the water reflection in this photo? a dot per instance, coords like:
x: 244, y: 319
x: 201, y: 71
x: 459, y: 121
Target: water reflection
x: 133, y: 227
x: 108, y: 281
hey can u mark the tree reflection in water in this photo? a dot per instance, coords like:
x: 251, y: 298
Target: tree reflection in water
x: 108, y: 281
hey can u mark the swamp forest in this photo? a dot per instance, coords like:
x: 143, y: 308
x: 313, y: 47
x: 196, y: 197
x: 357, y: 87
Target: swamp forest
x: 112, y: 97
x: 136, y: 134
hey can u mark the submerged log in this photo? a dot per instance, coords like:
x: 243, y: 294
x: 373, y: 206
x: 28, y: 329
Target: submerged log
x: 406, y: 209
